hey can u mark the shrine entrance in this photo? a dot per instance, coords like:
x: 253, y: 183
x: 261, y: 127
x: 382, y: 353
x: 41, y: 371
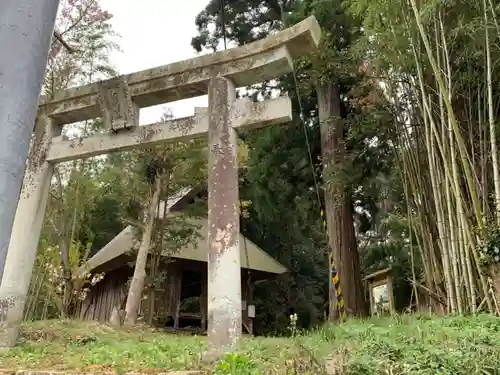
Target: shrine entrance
x: 117, y: 101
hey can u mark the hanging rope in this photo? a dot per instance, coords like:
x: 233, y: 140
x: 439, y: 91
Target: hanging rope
x: 223, y: 22
x: 335, y: 280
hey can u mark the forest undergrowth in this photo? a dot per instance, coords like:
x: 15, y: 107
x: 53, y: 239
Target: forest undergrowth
x: 389, y: 345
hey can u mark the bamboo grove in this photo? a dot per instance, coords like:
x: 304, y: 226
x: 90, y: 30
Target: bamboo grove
x: 440, y: 78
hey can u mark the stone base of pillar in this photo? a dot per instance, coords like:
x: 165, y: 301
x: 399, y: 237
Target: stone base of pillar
x: 11, y: 313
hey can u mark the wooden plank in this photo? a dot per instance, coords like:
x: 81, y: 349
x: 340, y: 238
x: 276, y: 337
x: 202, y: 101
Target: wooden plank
x: 246, y: 114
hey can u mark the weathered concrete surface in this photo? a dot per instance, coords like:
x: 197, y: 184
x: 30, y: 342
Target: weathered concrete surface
x: 224, y: 278
x: 26, y: 28
x: 117, y: 107
x: 251, y: 63
x: 160, y: 87
x: 26, y: 232
x: 275, y: 111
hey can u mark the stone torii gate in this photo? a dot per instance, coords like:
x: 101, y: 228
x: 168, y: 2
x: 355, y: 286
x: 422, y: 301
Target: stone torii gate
x: 117, y: 101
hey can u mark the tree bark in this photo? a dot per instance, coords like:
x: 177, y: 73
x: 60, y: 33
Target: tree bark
x: 64, y: 246
x: 338, y: 202
x: 137, y: 284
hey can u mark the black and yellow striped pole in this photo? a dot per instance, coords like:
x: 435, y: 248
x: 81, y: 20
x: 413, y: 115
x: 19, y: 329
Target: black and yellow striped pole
x: 334, y: 275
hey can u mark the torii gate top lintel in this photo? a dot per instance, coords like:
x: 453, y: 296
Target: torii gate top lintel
x: 245, y: 65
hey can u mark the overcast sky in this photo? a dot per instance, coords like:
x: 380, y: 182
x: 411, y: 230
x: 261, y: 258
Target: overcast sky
x: 153, y: 33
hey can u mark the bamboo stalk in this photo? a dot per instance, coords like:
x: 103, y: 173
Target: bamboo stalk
x: 493, y: 14
x: 464, y: 158
x: 483, y: 167
x: 467, y: 262
x: 491, y: 118
x: 452, y: 157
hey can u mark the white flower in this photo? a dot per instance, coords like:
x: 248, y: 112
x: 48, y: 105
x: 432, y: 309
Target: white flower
x: 497, y: 258
x: 82, y: 295
x: 496, y: 250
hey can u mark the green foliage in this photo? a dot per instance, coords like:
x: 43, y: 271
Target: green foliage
x: 413, y: 345
x: 400, y: 345
x: 456, y: 33
x: 489, y: 248
x: 86, y: 27
x: 74, y: 345
x: 278, y: 178
x: 236, y: 364
x: 68, y: 233
x: 284, y: 221
x: 245, y: 21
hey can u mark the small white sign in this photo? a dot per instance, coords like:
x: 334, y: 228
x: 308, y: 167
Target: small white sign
x: 251, y: 311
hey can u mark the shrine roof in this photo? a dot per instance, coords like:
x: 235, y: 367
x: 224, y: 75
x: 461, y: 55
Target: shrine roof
x: 251, y: 256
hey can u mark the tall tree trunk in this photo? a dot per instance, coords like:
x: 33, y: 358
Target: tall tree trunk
x: 338, y: 202
x: 137, y: 284
x: 155, y: 264
x: 64, y: 246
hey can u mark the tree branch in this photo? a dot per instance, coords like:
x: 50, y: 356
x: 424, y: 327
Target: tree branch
x: 59, y: 38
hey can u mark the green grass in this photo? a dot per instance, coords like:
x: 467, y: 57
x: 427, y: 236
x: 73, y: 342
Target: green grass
x: 399, y: 345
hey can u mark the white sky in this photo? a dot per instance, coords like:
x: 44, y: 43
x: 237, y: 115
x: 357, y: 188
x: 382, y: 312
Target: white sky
x: 153, y: 33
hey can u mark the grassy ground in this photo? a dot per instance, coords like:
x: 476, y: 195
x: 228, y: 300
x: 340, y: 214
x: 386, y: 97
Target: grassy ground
x: 399, y: 345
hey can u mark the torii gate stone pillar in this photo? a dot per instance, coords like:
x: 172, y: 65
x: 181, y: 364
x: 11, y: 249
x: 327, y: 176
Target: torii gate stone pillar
x: 224, y: 269
x: 117, y: 101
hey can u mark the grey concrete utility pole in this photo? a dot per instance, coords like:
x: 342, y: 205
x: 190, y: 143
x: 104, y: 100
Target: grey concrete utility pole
x: 26, y: 28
